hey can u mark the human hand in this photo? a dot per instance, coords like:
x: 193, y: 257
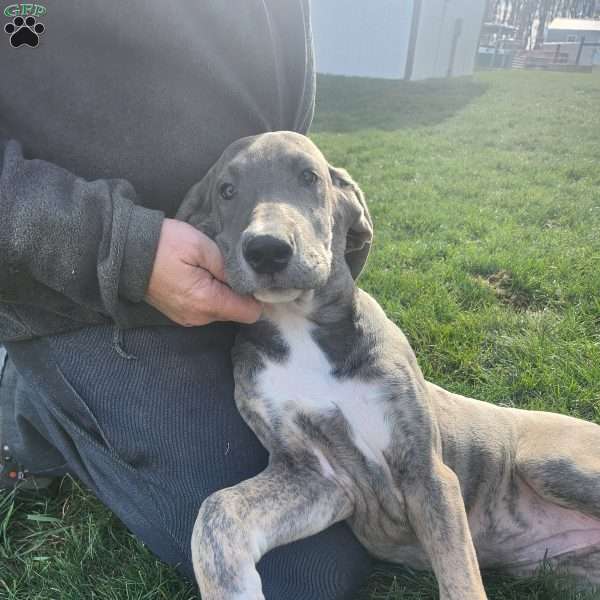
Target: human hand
x: 187, y: 280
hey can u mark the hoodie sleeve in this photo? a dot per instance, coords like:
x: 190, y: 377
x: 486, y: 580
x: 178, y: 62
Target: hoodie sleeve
x: 88, y: 241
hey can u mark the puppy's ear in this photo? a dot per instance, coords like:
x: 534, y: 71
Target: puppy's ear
x: 197, y: 208
x: 355, y: 219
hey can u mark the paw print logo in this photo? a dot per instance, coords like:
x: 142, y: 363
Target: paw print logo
x: 24, y: 31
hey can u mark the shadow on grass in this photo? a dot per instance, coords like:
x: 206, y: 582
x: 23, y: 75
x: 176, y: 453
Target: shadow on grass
x: 346, y: 104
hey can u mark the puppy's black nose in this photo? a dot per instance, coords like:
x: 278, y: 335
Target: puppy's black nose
x: 267, y: 254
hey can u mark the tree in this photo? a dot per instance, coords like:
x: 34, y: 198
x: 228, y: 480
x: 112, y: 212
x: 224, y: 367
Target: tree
x: 531, y: 17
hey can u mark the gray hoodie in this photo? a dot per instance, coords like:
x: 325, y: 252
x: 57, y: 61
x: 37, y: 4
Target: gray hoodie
x: 107, y: 122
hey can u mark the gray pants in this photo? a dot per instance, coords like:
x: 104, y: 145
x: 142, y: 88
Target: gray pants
x: 152, y: 436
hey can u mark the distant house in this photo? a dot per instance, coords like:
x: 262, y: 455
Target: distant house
x: 573, y: 30
x: 577, y: 32
x: 397, y: 39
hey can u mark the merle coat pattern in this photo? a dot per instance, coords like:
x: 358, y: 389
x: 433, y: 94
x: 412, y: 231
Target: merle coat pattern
x: 332, y: 388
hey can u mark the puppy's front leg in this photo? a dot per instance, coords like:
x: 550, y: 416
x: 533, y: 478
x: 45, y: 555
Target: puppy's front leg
x: 437, y: 514
x: 238, y: 525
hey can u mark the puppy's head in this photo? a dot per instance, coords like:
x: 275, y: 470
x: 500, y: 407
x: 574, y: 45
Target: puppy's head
x: 281, y: 216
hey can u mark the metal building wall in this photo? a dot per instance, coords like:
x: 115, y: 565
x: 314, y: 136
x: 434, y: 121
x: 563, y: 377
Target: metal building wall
x: 440, y: 23
x: 367, y: 38
x: 562, y: 35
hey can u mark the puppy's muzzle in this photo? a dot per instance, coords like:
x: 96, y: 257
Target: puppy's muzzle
x: 267, y: 254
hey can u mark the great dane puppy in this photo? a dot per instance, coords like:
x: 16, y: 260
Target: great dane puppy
x: 424, y: 477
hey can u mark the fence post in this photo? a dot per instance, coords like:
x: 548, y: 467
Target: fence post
x: 557, y: 53
x: 582, y: 43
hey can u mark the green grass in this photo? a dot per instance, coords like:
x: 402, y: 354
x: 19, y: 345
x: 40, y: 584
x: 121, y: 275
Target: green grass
x: 486, y: 198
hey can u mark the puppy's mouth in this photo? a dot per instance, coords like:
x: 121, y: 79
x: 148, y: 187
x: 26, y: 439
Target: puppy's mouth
x: 286, y: 285
x: 277, y: 296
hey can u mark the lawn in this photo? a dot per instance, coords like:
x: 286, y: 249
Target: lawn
x: 485, y: 194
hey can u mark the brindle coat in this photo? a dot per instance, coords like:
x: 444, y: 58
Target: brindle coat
x: 332, y: 388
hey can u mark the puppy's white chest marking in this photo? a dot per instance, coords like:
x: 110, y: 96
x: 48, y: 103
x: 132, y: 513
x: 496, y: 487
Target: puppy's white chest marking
x: 303, y: 382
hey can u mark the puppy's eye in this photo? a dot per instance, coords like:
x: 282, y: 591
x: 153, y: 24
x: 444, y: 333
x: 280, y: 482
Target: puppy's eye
x: 309, y: 177
x: 227, y: 191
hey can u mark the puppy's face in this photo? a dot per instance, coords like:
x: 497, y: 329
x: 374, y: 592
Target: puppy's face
x: 280, y: 215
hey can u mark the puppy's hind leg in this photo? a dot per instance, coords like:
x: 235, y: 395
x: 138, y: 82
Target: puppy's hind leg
x: 559, y: 458
x: 238, y: 525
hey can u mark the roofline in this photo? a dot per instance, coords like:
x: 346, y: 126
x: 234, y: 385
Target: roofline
x: 564, y: 24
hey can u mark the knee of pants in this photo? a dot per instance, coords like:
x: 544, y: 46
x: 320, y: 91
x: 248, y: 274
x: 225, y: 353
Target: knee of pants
x: 331, y: 565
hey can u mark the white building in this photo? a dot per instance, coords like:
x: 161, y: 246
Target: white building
x: 397, y: 39
x: 574, y: 30
x: 578, y: 37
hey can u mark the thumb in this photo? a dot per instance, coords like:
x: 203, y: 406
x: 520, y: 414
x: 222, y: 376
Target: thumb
x: 229, y: 306
x: 206, y: 254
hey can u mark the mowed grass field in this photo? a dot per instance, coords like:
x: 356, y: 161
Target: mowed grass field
x: 485, y: 194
